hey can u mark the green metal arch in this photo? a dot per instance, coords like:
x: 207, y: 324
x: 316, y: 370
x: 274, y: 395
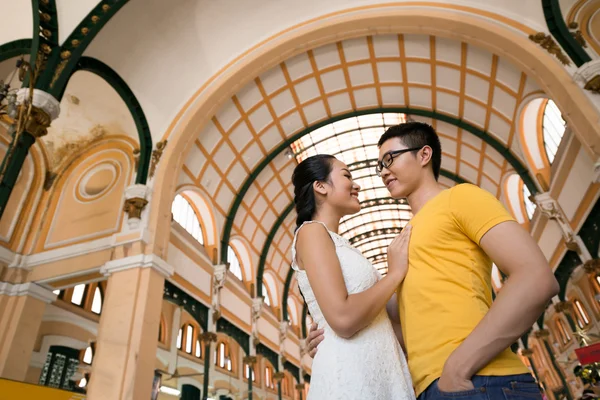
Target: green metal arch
x: 15, y: 48
x: 55, y: 77
x: 288, y: 278
x: 179, y: 297
x: 558, y: 29
x: 485, y: 136
x: 120, y: 86
x: 39, y: 24
x: 241, y: 337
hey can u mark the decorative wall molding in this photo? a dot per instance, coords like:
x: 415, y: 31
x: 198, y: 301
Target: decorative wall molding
x: 138, y: 261
x: 57, y: 314
x: 42, y: 100
x: 27, y: 289
x: 588, y: 75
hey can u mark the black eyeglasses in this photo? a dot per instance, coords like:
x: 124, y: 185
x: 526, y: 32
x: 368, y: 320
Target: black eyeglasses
x: 388, y: 158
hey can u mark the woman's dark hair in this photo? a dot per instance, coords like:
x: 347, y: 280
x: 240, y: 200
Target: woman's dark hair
x: 313, y: 169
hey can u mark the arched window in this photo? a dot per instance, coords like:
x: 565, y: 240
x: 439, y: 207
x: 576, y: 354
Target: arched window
x: 97, y: 301
x: 82, y: 382
x: 234, y: 263
x: 563, y: 332
x: 179, y: 338
x: 582, y: 316
x: 198, y: 352
x: 529, y: 205
x: 184, y: 215
x: 188, y: 340
x: 223, y: 357
x: 88, y: 355
x: 266, y: 296
x: 269, y: 377
x: 89, y: 297
x: 249, y: 371
x: 285, y: 385
x: 553, y: 129
x: 78, y: 293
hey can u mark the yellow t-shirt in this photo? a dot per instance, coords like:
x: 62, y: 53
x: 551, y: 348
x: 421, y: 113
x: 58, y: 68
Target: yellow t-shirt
x: 447, y: 289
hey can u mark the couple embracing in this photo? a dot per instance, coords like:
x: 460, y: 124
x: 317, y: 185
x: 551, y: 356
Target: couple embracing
x: 427, y: 329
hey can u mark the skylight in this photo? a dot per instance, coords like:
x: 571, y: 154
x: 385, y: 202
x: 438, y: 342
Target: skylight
x: 354, y: 141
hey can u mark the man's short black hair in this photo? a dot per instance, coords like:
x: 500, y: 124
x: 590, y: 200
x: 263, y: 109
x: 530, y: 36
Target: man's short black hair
x: 417, y: 134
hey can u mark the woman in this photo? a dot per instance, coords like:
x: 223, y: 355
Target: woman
x: 360, y: 357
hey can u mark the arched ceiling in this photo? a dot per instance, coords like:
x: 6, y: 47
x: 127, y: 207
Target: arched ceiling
x: 176, y: 47
x: 458, y: 88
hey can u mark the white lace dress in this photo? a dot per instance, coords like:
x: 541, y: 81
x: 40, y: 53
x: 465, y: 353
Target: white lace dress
x: 371, y: 364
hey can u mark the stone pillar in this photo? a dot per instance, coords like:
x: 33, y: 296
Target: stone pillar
x: 125, y: 356
x: 550, y: 208
x: 21, y: 309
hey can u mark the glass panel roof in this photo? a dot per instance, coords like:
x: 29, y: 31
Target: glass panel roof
x: 354, y: 141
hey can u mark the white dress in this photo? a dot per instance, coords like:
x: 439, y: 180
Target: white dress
x: 369, y: 365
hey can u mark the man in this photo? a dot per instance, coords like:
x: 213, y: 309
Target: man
x: 457, y: 341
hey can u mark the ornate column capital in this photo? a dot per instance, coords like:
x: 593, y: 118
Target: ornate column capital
x: 551, y: 209
x: 219, y: 279
x: 526, y: 352
x: 250, y: 360
x: 562, y: 307
x: 283, y: 330
x: 278, y: 377
x: 548, y: 205
x: 30, y: 289
x: 588, y: 75
x: 136, y: 199
x: 41, y: 100
x: 219, y: 276
x: 44, y: 109
x: 541, y: 334
x: 257, y: 306
x: 208, y: 337
x: 592, y: 266
x: 138, y: 261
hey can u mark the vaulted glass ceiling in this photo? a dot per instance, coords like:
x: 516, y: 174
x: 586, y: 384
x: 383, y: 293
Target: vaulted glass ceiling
x: 354, y: 141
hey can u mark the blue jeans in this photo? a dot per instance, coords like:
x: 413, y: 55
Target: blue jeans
x: 510, y: 387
